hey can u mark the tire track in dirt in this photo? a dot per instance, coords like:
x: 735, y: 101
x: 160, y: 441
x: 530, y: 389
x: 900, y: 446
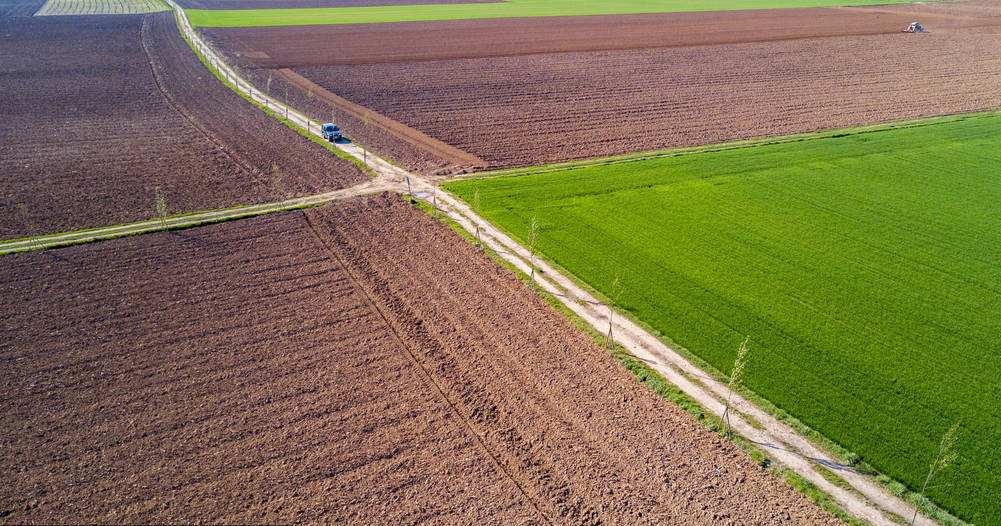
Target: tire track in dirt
x: 419, y: 365
x: 169, y: 99
x: 306, y: 411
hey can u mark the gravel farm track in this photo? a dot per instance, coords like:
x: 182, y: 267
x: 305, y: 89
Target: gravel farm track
x: 360, y: 384
x: 102, y: 110
x: 550, y: 99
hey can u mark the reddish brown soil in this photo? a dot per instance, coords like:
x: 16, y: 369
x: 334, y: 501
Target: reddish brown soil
x: 549, y: 107
x: 710, y: 77
x: 228, y: 374
x: 382, y: 125
x: 272, y: 4
x: 282, y: 47
x: 89, y: 131
x: 389, y: 138
x: 252, y: 372
x: 286, y: 164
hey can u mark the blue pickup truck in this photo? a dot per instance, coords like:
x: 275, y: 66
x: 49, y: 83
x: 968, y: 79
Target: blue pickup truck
x: 331, y: 132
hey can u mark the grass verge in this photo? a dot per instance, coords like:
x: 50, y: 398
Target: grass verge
x: 507, y: 9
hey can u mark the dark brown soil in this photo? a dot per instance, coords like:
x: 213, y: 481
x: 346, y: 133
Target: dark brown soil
x: 359, y: 364
x: 284, y: 47
x: 230, y: 374
x: 93, y: 125
x: 273, y: 4
x: 390, y: 138
x: 550, y: 107
x: 710, y: 77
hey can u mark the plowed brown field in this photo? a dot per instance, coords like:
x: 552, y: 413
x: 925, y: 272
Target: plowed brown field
x: 275, y: 47
x: 359, y: 364
x: 390, y: 138
x: 101, y: 111
x: 692, y: 79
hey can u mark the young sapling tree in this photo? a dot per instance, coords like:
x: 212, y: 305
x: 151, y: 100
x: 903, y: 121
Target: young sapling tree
x: 945, y: 457
x: 736, y: 377
x: 160, y: 199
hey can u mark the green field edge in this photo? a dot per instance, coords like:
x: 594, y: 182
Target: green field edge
x: 653, y: 380
x: 511, y: 9
x: 726, y: 146
x: 834, y: 449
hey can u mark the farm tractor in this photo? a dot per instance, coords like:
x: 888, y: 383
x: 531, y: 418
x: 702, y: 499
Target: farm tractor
x: 914, y: 27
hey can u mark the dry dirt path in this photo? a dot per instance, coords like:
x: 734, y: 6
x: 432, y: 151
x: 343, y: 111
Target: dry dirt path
x: 866, y: 500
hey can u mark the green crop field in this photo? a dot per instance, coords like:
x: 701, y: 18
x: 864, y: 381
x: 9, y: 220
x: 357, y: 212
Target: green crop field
x: 864, y: 266
x: 508, y: 9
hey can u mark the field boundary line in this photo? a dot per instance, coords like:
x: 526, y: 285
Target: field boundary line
x: 725, y: 146
x: 183, y: 221
x: 392, y: 127
x: 866, y: 499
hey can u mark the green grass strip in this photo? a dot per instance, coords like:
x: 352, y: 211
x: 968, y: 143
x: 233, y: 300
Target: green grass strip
x: 509, y: 9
